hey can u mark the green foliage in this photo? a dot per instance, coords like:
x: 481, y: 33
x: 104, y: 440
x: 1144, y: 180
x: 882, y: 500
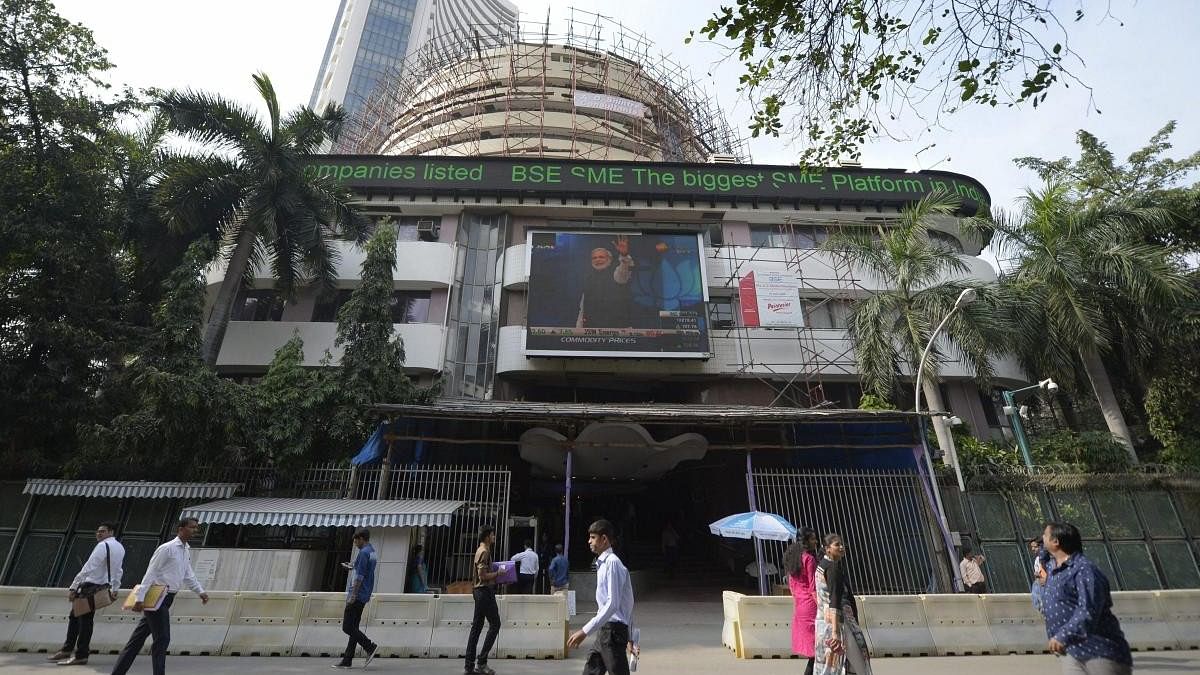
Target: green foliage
x: 291, y: 406
x: 976, y: 454
x: 1092, y: 451
x: 1173, y: 397
x: 873, y: 402
x: 847, y: 67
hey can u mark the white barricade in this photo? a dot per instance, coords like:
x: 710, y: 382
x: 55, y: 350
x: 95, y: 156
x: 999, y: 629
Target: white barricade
x: 1016, y: 627
x: 198, y: 628
x: 263, y: 624
x: 957, y: 624
x: 452, y: 622
x: 1142, y: 622
x: 14, y: 600
x: 765, y: 626
x: 405, y: 623
x: 320, y: 630
x: 113, y: 624
x: 895, y: 625
x: 533, y: 626
x: 729, y: 626
x: 44, y: 625
x: 1181, y: 611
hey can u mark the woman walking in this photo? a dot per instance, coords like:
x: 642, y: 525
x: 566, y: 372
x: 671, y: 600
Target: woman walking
x: 840, y: 645
x: 800, y: 561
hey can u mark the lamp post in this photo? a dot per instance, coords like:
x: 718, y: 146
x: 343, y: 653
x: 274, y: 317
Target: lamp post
x: 1014, y: 415
x: 966, y: 297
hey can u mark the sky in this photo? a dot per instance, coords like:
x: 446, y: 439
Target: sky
x: 1138, y: 61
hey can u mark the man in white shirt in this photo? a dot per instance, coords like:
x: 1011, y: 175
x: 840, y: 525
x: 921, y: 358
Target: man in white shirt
x: 527, y: 568
x: 100, y: 574
x: 170, y: 566
x: 613, y: 623
x: 972, y: 573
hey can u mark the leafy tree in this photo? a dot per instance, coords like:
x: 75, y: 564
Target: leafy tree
x: 292, y: 406
x: 1173, y: 397
x: 251, y: 190
x: 843, y: 71
x: 891, y: 327
x: 1069, y: 265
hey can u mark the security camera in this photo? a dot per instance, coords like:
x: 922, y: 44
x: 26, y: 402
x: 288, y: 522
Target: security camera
x: 954, y: 420
x: 1052, y: 386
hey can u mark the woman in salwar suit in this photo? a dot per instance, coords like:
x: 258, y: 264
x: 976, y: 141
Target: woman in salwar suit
x: 800, y: 563
x: 841, y: 647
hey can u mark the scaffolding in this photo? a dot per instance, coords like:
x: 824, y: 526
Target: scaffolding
x: 511, y: 90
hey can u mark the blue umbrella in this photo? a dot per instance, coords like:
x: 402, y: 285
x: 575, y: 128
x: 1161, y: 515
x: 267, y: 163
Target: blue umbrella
x: 754, y: 524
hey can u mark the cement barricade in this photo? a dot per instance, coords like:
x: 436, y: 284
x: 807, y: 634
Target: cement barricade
x: 320, y: 630
x: 405, y: 623
x: 957, y: 624
x: 533, y: 626
x: 729, y: 626
x: 113, y: 624
x: 198, y: 628
x: 1142, y: 622
x: 452, y: 623
x: 765, y: 626
x: 14, y: 601
x: 1016, y: 627
x: 263, y: 624
x: 896, y: 625
x: 44, y: 623
x: 1181, y: 611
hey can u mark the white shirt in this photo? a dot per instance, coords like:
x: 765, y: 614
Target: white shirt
x: 971, y: 572
x: 171, y: 565
x: 527, y: 560
x: 98, y: 569
x: 614, y: 593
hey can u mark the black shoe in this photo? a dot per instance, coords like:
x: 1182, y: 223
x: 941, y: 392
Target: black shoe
x: 371, y: 655
x: 59, y: 655
x: 340, y: 666
x: 74, y: 661
x: 483, y: 669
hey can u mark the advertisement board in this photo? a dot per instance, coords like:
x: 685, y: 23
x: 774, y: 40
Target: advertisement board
x: 616, y: 294
x: 770, y: 299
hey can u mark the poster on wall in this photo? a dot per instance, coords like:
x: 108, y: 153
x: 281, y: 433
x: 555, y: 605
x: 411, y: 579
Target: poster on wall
x: 770, y: 299
x: 616, y: 294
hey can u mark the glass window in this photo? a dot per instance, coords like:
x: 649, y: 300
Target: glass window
x: 1189, y: 510
x: 1004, y: 567
x: 258, y: 305
x: 137, y: 556
x: 147, y: 516
x: 1074, y: 508
x: 991, y: 515
x: 1097, y: 552
x: 1159, y: 513
x: 96, y: 510
x: 1137, y: 569
x: 1032, y: 512
x: 714, y: 234
x: 35, y: 561
x: 326, y: 307
x: 410, y: 306
x: 53, y: 513
x: 12, y: 504
x: 720, y: 314
x: 77, y: 553
x: 1178, y: 564
x: 1118, y: 515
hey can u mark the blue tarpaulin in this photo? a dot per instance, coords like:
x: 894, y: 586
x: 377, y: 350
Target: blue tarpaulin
x: 373, y: 449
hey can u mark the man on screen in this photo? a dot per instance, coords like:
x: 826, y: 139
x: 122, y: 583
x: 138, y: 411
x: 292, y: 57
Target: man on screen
x: 607, y: 300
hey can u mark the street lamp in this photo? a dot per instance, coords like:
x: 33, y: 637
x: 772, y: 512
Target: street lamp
x: 945, y: 438
x: 1014, y: 415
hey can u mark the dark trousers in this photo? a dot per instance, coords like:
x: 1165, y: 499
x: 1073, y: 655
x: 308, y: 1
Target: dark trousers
x: 608, y: 651
x: 156, y: 624
x: 525, y: 583
x: 977, y: 587
x: 79, y: 634
x: 350, y: 620
x: 485, y: 608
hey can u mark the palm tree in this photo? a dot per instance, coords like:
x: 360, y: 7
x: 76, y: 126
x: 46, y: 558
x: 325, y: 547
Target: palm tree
x: 922, y: 280
x: 1071, y: 267
x: 249, y: 187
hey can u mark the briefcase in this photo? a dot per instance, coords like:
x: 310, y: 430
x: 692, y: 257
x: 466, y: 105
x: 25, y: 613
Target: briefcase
x: 91, y: 597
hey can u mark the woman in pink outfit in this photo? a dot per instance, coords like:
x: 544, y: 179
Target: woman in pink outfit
x: 800, y: 562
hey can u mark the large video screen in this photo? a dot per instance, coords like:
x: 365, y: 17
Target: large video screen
x: 618, y: 294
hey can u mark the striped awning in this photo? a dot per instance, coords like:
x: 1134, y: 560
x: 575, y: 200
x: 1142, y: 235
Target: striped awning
x: 326, y: 512
x: 123, y: 489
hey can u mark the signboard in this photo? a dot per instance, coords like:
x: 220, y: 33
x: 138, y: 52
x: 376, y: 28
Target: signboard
x: 587, y: 99
x: 770, y: 299
x: 548, y: 177
x: 617, y: 294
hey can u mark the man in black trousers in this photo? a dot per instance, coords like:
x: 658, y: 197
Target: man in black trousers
x: 613, y: 623
x: 360, y: 583
x: 485, y: 605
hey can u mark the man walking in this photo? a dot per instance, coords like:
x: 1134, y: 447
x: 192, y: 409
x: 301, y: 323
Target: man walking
x: 972, y: 573
x: 485, y: 605
x: 527, y: 568
x: 359, y: 585
x: 171, y: 568
x: 560, y: 579
x: 101, y: 574
x: 613, y: 622
x: 1077, y: 605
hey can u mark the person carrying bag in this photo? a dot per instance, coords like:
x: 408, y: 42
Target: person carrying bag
x: 95, y: 587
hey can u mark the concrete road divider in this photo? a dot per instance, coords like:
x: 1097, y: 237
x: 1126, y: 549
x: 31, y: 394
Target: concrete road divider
x: 452, y: 623
x: 113, y: 624
x: 896, y: 625
x: 957, y: 624
x: 533, y: 626
x: 14, y: 600
x: 403, y: 623
x: 1181, y: 611
x: 729, y: 626
x: 765, y: 626
x: 1142, y: 622
x: 320, y: 630
x: 198, y: 628
x: 1016, y: 627
x: 44, y: 623
x: 263, y: 624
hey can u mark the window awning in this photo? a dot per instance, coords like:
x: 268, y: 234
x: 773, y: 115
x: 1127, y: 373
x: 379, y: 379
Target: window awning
x: 122, y: 489
x: 326, y: 512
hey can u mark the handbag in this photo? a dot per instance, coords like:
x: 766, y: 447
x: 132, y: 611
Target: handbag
x: 91, y: 597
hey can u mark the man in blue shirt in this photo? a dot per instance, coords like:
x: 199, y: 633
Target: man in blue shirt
x: 559, y: 575
x: 1077, y: 605
x: 359, y: 584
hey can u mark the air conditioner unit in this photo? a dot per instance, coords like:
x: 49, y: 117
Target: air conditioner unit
x: 427, y: 227
x: 722, y: 159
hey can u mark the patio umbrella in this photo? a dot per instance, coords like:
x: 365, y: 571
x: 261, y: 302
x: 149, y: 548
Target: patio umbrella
x: 755, y: 525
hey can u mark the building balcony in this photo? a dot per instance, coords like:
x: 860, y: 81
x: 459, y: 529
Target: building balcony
x: 251, y: 345
x: 420, y: 265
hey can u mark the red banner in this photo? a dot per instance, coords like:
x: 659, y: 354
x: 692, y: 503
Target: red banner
x: 748, y: 296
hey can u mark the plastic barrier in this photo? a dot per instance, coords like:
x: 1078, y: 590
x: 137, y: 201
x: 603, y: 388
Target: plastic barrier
x: 1016, y: 627
x: 1142, y: 622
x: 263, y: 624
x: 729, y: 627
x: 896, y: 625
x: 320, y: 630
x: 1181, y: 611
x: 533, y: 626
x: 764, y: 626
x: 113, y: 624
x: 198, y: 628
x: 404, y: 622
x: 451, y: 624
x: 14, y: 600
x: 44, y: 624
x: 957, y: 624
